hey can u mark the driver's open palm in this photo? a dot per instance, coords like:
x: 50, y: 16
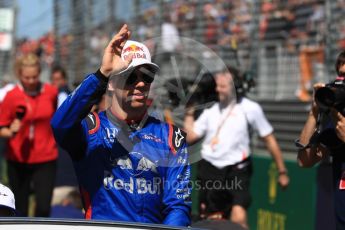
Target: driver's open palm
x: 111, y: 61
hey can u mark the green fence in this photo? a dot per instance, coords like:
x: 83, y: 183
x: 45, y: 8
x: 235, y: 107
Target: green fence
x: 274, y: 208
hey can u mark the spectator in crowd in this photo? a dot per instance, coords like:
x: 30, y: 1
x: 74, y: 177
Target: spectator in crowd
x: 142, y: 28
x: 170, y: 40
x: 66, y: 180
x: 211, y: 31
x: 7, y: 202
x: 170, y: 36
x: 225, y: 148
x: 47, y: 43
x: 307, y: 17
x: 6, y: 86
x: 69, y: 207
x: 31, y: 149
x: 124, y: 156
x: 59, y: 79
x: 330, y: 141
x: 307, y: 57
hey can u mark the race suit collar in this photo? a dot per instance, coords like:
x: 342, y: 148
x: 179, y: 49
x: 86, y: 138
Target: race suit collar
x: 132, y: 124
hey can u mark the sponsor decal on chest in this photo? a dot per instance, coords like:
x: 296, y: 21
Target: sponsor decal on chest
x: 151, y: 137
x: 134, y: 165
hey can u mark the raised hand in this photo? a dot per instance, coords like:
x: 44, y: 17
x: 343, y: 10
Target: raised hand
x: 111, y: 61
x: 315, y: 107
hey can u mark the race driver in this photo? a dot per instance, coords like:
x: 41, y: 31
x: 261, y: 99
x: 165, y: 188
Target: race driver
x: 130, y: 166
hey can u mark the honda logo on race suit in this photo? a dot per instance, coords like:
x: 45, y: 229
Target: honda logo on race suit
x: 111, y: 134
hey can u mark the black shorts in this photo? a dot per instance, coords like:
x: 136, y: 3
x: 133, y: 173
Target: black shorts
x: 223, y: 188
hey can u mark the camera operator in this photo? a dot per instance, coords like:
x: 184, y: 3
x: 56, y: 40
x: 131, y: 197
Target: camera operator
x: 226, y: 148
x: 313, y: 146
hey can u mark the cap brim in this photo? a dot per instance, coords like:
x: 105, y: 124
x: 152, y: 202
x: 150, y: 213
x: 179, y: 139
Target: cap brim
x: 15, y: 212
x: 154, y: 67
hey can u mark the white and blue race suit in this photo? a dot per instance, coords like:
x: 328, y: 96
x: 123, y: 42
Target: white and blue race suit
x: 139, y: 174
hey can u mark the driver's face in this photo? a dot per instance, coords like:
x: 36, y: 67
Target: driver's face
x: 133, y: 90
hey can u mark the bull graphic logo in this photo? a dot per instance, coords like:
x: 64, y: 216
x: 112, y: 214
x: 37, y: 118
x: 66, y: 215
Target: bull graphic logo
x: 146, y: 165
x: 124, y: 163
x: 133, y: 48
x: 136, y: 51
x: 134, y: 167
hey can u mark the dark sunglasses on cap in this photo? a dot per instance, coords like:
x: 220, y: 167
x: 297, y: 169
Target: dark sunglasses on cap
x: 147, y: 76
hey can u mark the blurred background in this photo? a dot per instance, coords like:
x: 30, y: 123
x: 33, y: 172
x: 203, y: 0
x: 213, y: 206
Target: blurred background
x: 283, y: 45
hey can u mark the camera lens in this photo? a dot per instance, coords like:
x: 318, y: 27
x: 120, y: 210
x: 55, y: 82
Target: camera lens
x: 325, y: 97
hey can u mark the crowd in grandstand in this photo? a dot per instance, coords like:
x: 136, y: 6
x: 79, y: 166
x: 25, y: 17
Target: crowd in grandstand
x: 298, y: 25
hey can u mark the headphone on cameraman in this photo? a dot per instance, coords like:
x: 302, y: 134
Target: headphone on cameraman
x: 242, y: 85
x: 239, y: 87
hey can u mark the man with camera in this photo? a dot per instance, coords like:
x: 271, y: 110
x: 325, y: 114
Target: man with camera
x: 226, y: 148
x: 324, y: 134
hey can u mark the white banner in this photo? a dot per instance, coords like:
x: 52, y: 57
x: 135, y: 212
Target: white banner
x: 6, y: 19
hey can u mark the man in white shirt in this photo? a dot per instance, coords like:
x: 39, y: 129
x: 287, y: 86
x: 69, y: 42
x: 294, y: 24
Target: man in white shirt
x: 225, y: 128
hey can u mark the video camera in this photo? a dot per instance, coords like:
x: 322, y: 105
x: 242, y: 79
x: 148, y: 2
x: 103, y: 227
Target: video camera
x: 203, y: 93
x: 332, y: 96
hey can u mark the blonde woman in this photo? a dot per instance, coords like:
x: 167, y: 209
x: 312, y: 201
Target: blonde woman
x: 31, y: 149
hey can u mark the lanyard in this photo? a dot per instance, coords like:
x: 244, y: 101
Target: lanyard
x: 215, y: 139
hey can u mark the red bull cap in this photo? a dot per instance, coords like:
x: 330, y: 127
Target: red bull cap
x: 141, y: 56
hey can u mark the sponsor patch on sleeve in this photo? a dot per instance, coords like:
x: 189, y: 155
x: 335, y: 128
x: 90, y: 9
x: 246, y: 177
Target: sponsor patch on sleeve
x: 93, y: 122
x: 176, y: 138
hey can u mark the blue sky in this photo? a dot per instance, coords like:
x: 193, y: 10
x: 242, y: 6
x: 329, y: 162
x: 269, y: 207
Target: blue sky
x: 35, y: 18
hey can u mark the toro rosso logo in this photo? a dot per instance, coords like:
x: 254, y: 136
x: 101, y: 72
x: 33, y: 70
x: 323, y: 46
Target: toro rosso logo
x: 151, y: 137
